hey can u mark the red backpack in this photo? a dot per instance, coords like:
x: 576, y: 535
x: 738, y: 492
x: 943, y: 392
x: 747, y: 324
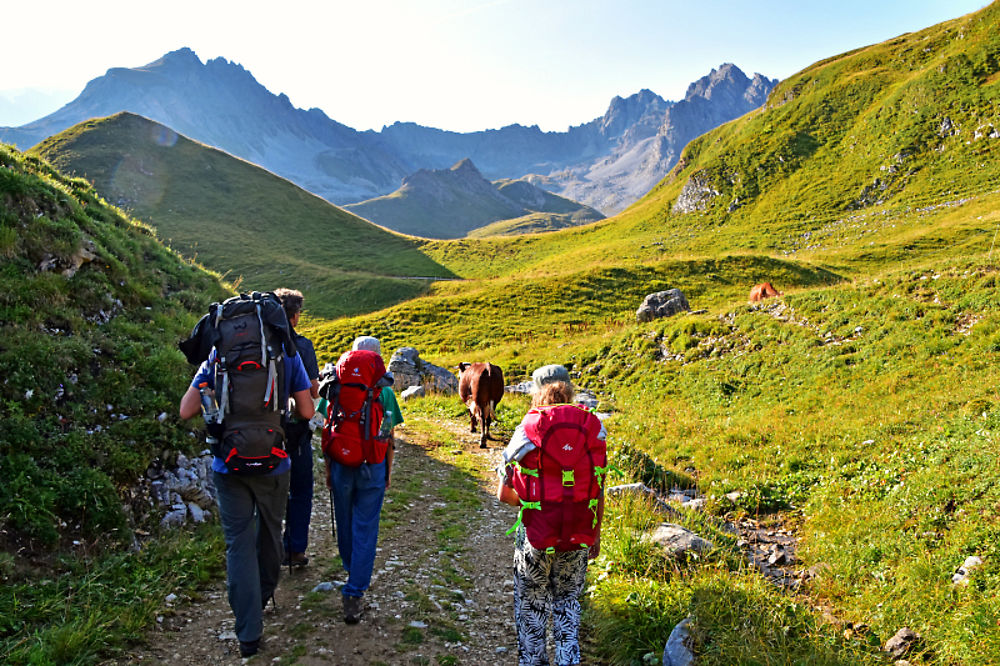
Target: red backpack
x: 559, y: 482
x: 352, y: 432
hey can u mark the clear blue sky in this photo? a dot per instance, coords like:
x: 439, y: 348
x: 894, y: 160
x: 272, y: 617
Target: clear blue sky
x: 455, y: 64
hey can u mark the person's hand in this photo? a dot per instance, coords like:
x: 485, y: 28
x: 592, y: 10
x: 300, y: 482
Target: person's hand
x: 388, y: 478
x: 326, y: 462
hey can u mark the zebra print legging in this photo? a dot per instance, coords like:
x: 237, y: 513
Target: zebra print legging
x: 544, y: 584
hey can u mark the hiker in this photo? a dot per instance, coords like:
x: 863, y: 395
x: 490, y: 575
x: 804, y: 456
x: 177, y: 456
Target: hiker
x: 298, y: 443
x: 358, y: 480
x: 554, y: 470
x: 251, y: 489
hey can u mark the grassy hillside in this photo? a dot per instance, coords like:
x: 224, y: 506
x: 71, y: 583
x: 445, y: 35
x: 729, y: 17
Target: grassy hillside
x: 260, y: 230
x: 91, y: 307
x: 884, y: 131
x: 858, y: 411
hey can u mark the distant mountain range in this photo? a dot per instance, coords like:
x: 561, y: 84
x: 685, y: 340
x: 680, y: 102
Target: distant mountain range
x: 450, y: 203
x: 607, y: 163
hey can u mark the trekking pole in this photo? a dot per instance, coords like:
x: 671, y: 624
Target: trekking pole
x: 333, y: 518
x: 329, y: 485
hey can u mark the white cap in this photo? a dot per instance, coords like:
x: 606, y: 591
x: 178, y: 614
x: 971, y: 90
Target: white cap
x: 367, y: 343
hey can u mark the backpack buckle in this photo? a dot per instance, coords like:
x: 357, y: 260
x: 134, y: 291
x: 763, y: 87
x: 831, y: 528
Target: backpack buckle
x: 567, y: 478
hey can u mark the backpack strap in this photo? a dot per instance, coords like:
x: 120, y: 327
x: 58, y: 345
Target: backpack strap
x: 520, y: 514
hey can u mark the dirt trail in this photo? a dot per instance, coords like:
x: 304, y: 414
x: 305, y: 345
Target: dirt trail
x: 441, y: 590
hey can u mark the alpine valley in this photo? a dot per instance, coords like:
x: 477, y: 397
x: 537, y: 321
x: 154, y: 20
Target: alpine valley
x: 834, y: 446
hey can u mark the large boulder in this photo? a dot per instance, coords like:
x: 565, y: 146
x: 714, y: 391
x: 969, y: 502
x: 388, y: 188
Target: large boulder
x: 408, y: 369
x: 662, y: 304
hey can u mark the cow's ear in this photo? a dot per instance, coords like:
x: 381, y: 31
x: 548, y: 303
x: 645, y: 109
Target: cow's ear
x: 462, y: 366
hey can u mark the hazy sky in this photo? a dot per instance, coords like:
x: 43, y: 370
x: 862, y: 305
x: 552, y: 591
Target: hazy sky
x: 455, y: 64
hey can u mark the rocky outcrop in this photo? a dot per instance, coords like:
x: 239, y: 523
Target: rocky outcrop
x: 696, y: 195
x: 408, y: 369
x: 662, y: 304
x: 183, y: 490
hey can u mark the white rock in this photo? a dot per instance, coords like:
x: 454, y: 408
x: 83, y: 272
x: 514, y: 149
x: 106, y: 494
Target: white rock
x: 413, y: 392
x: 197, y: 513
x: 677, y: 541
x: 961, y: 576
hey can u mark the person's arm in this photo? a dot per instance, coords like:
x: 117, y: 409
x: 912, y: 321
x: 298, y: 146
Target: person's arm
x: 191, y: 400
x: 506, y: 494
x: 303, y: 404
x: 314, y: 390
x: 190, y: 403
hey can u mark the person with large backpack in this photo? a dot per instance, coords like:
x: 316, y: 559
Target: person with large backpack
x: 298, y: 435
x: 358, y: 446
x: 249, y: 368
x: 553, y: 469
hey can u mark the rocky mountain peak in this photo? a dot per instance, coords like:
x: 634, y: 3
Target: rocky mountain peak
x: 183, y: 57
x: 623, y: 112
x: 466, y: 168
x: 728, y: 77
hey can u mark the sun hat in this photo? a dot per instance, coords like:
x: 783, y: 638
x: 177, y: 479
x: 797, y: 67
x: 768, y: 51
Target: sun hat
x: 367, y: 343
x: 549, y: 373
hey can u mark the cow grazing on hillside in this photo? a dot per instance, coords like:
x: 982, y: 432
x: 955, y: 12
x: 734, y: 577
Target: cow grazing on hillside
x: 762, y: 291
x: 480, y: 385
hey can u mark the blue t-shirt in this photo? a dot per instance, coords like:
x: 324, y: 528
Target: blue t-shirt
x: 296, y: 380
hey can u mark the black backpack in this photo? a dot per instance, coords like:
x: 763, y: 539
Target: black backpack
x: 250, y: 335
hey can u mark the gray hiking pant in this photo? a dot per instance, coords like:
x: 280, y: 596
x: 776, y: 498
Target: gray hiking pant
x: 251, y: 509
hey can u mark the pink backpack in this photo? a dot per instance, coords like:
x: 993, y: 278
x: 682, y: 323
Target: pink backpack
x: 559, y: 482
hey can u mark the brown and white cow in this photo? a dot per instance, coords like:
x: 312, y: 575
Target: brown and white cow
x: 480, y: 385
x: 762, y: 291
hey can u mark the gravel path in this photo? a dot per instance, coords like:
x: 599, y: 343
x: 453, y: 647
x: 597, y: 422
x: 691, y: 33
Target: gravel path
x: 441, y: 591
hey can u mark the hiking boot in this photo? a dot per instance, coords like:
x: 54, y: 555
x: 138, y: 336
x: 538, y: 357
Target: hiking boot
x: 352, y: 610
x: 297, y: 560
x: 249, y: 648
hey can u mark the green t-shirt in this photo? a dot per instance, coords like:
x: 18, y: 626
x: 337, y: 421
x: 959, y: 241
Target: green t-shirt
x: 392, y: 412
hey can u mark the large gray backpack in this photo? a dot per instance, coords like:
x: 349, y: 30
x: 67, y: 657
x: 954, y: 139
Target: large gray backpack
x: 250, y: 335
